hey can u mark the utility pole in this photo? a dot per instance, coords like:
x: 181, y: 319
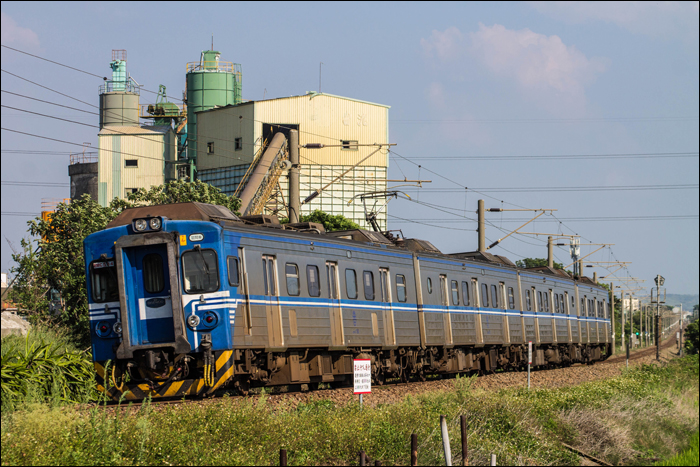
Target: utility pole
x: 481, y: 226
x: 550, y: 252
x: 659, y: 280
x: 294, y: 198
x: 622, y: 315
x: 612, y: 315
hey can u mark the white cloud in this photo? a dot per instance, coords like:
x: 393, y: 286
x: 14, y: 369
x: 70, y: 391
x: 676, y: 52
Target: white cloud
x: 14, y: 35
x: 535, y: 61
x: 446, y: 45
x: 649, y: 18
x: 545, y: 70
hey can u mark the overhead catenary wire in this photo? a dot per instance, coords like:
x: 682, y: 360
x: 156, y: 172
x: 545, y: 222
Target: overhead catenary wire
x: 445, y: 121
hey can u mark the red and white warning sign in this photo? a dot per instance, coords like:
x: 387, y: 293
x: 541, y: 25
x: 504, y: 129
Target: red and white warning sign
x: 363, y: 376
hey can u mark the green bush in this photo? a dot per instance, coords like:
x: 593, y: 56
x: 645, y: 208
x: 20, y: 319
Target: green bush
x: 44, y: 366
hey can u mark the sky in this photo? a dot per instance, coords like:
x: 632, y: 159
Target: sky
x: 479, y: 93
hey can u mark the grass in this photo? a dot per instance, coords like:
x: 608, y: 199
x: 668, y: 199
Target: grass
x: 46, y: 367
x: 688, y: 457
x: 645, y: 413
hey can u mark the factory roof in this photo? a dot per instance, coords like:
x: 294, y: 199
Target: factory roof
x: 310, y: 95
x: 134, y: 130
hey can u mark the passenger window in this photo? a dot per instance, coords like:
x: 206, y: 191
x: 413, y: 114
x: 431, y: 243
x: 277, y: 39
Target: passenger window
x: 455, y: 293
x: 546, y: 302
x: 268, y: 263
x: 291, y: 272
x: 401, y: 287
x: 233, y: 276
x: 484, y: 295
x: 583, y: 307
x: 200, y: 271
x: 103, y: 276
x: 368, y: 281
x: 540, y: 300
x: 153, y: 280
x: 528, y: 300
x: 430, y: 285
x: 556, y: 303
x: 562, y: 304
x: 573, y: 304
x: 313, y: 281
x: 511, y: 298
x: 351, y: 283
x: 466, y: 299
x: 494, y: 296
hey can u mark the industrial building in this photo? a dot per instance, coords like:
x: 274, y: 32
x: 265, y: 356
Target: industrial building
x: 219, y: 139
x: 234, y: 136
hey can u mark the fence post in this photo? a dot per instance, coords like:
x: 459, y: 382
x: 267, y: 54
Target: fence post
x: 493, y: 459
x: 414, y: 450
x: 363, y: 458
x: 283, y: 457
x: 463, y: 427
x: 445, y: 441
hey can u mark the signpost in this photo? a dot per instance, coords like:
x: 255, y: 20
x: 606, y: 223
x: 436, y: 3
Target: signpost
x: 529, y: 362
x: 362, y: 377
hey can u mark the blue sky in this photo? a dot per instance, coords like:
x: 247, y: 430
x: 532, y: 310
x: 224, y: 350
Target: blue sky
x: 463, y: 80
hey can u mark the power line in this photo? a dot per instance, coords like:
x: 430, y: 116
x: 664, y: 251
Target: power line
x: 593, y: 219
x: 39, y: 184
x: 562, y: 188
x: 56, y: 63
x: 549, y: 120
x: 655, y: 155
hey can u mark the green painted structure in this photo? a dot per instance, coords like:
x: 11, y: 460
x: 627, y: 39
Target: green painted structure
x: 210, y: 83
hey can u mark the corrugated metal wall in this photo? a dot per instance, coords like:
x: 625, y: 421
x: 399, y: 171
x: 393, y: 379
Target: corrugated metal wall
x: 221, y: 127
x: 150, y: 149
x: 329, y: 120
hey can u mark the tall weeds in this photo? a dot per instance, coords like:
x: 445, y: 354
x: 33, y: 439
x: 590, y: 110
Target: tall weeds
x: 45, y: 367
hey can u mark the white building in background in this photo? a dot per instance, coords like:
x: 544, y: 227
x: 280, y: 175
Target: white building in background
x: 635, y: 304
x: 232, y: 136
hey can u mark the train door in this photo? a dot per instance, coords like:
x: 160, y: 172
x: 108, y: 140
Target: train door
x: 334, y: 308
x: 385, y: 286
x: 273, y: 311
x: 504, y: 305
x: 150, y: 294
x: 478, y: 303
x: 445, y: 302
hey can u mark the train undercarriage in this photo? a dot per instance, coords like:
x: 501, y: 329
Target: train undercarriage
x: 160, y: 374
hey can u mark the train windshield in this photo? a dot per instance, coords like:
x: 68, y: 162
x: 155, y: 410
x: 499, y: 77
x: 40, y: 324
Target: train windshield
x: 200, y: 270
x: 103, y: 277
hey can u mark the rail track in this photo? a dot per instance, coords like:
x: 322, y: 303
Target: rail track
x: 394, y: 392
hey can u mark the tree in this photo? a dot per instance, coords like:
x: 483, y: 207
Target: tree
x: 329, y: 221
x: 536, y: 263
x: 691, y: 335
x: 57, y: 262
x: 55, y: 258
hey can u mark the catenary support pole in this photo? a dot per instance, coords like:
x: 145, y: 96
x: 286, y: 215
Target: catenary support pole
x: 550, y: 252
x: 612, y: 315
x: 294, y: 197
x: 481, y: 226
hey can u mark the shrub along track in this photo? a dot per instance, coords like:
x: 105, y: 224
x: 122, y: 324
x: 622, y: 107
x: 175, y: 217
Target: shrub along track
x: 392, y: 393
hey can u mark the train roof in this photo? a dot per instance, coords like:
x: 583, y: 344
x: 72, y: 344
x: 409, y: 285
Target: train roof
x: 224, y: 216
x: 176, y: 211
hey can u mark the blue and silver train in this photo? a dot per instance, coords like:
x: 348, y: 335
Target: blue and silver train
x: 185, y: 299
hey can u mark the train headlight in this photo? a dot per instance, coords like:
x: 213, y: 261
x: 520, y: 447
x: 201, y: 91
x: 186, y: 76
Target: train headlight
x: 155, y: 223
x: 140, y: 225
x: 193, y: 321
x: 117, y: 328
x: 102, y: 328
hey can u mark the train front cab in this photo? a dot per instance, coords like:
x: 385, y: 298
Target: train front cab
x: 165, y: 340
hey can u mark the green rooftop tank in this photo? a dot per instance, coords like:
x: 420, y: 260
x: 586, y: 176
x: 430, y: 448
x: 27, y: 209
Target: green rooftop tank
x: 210, y: 83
